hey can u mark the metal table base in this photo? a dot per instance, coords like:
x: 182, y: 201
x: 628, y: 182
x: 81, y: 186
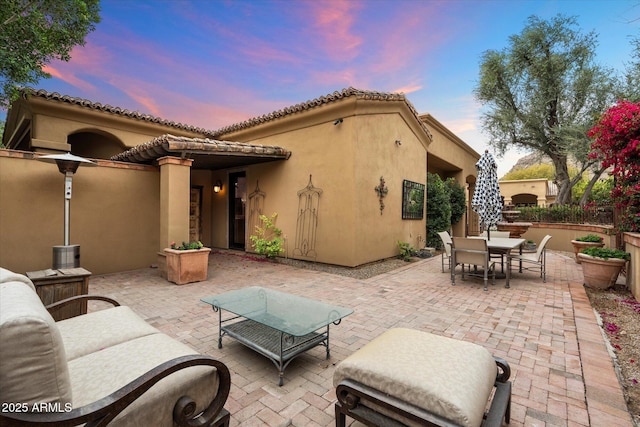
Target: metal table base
x: 277, y: 346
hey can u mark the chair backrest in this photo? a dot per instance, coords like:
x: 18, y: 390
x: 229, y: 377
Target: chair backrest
x: 471, y: 251
x: 446, y: 241
x: 500, y: 234
x: 541, y: 246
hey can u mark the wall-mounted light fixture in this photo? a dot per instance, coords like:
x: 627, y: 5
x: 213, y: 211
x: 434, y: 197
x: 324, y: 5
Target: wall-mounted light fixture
x: 398, y: 142
x: 217, y: 186
x: 337, y: 122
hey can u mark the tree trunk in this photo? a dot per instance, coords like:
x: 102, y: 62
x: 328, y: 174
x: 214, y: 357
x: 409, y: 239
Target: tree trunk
x: 562, y: 178
x: 587, y: 191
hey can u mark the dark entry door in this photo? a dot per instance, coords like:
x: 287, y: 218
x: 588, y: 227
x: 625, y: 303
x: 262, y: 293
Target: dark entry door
x: 237, y: 209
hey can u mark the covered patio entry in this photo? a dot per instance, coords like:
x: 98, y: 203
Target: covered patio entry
x: 190, y: 169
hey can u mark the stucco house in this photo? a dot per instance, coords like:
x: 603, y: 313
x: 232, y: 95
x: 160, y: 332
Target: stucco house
x: 345, y: 173
x: 529, y: 192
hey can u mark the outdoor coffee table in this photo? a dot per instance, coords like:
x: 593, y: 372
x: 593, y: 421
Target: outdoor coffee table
x: 278, y: 325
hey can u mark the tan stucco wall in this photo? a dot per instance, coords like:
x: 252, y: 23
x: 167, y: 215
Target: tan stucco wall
x: 53, y: 122
x: 536, y: 187
x: 449, y: 156
x: 175, y: 185
x: 563, y: 234
x: 204, y: 179
x: 346, y: 162
x: 114, y: 214
x: 632, y: 245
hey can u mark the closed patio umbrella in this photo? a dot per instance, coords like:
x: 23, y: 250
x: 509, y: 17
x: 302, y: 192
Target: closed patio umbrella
x: 486, y: 201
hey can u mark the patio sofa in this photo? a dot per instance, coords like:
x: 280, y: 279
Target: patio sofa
x: 105, y: 367
x: 414, y: 378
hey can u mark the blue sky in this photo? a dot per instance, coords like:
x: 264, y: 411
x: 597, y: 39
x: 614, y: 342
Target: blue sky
x: 215, y: 63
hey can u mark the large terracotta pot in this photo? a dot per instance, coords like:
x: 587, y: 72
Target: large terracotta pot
x: 187, y: 266
x: 600, y: 273
x: 578, y: 246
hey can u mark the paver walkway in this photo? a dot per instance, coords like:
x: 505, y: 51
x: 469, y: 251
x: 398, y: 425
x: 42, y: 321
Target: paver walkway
x: 561, y: 371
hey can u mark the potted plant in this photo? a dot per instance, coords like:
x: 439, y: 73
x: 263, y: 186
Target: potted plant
x: 601, y: 266
x: 529, y: 245
x: 588, y: 241
x: 186, y: 263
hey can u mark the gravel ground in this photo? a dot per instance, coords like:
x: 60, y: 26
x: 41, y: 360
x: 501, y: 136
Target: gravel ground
x: 619, y: 318
x: 361, y: 272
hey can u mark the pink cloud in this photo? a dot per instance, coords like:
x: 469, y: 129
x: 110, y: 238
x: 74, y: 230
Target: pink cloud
x: 408, y: 89
x: 69, y: 77
x: 334, y: 22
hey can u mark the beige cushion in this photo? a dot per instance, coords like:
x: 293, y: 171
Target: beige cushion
x: 10, y: 276
x: 33, y: 366
x: 448, y: 377
x: 98, y: 374
x: 97, y: 330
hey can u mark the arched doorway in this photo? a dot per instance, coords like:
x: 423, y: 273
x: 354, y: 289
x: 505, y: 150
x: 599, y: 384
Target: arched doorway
x: 95, y: 144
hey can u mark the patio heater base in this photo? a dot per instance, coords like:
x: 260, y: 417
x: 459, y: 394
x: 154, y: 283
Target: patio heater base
x: 66, y: 256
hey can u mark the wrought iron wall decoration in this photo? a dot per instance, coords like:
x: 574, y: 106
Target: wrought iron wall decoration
x: 308, y: 204
x: 256, y: 208
x: 382, y: 191
x: 412, y: 200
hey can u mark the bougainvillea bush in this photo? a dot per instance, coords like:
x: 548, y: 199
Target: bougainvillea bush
x: 617, y: 144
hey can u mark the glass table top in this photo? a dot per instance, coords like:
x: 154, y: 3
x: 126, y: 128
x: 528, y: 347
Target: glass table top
x: 285, y: 312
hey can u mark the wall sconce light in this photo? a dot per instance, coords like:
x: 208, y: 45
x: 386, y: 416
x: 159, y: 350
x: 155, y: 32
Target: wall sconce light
x: 217, y: 186
x: 337, y: 122
x: 398, y: 142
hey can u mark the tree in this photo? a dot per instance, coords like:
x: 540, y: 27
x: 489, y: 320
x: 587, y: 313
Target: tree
x: 33, y: 33
x: 457, y: 200
x: 631, y: 86
x: 438, y: 210
x: 617, y: 144
x: 531, y: 172
x: 543, y: 92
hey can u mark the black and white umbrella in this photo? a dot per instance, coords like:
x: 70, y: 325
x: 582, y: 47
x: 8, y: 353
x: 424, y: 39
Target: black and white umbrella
x: 486, y: 201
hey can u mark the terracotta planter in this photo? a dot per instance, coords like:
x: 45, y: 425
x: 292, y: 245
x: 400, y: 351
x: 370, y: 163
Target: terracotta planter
x: 600, y: 273
x: 187, y: 266
x: 578, y: 246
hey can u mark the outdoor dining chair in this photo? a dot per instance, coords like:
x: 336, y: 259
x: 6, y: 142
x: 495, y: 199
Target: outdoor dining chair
x: 495, y: 255
x: 446, y: 252
x: 472, y: 252
x: 536, y: 260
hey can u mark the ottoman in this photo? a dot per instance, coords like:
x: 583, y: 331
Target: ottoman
x: 409, y: 377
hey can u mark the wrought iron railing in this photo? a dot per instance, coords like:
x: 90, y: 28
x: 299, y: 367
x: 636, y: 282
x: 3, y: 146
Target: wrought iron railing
x: 566, y: 214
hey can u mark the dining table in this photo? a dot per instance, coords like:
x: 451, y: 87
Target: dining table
x: 503, y: 246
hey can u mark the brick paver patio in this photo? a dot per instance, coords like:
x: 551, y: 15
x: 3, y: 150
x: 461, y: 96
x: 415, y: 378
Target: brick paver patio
x: 561, y: 371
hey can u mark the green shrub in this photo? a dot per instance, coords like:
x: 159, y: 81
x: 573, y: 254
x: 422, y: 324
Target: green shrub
x: 606, y: 253
x: 457, y: 200
x: 592, y: 238
x: 438, y: 210
x: 406, y: 251
x: 187, y: 246
x: 268, y: 241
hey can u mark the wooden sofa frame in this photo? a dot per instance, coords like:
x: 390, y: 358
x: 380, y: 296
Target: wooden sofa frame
x: 103, y: 411
x: 362, y: 403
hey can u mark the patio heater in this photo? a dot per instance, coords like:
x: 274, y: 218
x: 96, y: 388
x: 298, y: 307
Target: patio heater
x: 66, y: 256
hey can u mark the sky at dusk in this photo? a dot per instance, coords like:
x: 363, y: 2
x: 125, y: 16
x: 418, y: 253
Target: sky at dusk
x: 215, y: 63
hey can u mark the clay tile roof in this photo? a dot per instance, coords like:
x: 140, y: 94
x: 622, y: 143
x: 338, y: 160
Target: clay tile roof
x: 54, y: 96
x: 297, y: 108
x: 201, y: 148
x: 327, y: 99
